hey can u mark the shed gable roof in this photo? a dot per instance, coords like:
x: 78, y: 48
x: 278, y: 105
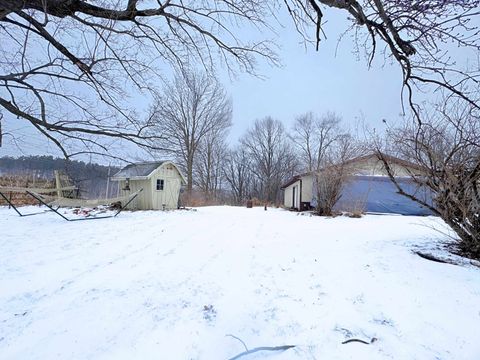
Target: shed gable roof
x: 138, y: 170
x: 144, y: 170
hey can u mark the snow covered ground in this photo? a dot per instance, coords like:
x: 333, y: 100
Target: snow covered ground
x: 175, y: 285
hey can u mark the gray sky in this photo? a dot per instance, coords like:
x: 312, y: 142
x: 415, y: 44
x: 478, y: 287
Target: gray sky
x: 329, y: 80
x: 332, y: 79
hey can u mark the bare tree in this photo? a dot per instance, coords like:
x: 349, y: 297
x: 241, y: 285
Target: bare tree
x: 313, y: 136
x: 446, y: 146
x: 238, y: 174
x: 208, y: 165
x: 273, y: 159
x: 415, y: 34
x: 72, y: 69
x: 194, y: 106
x: 331, y: 178
x: 325, y: 149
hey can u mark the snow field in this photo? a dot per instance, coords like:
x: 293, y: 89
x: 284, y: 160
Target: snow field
x: 172, y: 285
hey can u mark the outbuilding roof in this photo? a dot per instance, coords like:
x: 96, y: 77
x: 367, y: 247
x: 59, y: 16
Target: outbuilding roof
x: 293, y: 180
x: 138, y: 170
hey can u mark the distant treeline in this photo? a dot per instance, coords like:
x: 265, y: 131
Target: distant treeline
x: 91, y: 178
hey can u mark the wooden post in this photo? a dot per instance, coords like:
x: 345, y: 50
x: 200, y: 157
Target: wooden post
x: 58, y: 186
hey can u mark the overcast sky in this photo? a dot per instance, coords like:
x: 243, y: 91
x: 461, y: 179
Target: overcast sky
x: 332, y: 79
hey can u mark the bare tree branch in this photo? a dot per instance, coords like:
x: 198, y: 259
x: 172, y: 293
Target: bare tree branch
x: 417, y: 35
x: 72, y: 69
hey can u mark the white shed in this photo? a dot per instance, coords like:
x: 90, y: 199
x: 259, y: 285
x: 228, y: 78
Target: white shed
x: 161, y: 182
x: 298, y: 192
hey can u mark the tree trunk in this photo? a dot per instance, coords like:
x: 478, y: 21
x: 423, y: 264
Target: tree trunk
x: 189, y: 174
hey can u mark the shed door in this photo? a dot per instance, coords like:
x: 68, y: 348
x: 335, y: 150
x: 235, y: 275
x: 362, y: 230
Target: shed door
x: 167, y: 195
x: 172, y: 191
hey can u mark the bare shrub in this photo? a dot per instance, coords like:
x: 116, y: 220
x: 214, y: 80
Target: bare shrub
x: 446, y: 145
x: 331, y: 179
x: 355, y: 208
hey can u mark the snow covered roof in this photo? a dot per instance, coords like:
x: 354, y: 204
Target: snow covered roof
x: 138, y: 170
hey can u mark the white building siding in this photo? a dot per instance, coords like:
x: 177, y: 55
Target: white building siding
x: 372, y: 166
x: 307, y: 188
x: 291, y: 195
x: 144, y: 199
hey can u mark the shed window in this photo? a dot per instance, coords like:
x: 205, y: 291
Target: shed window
x: 160, y: 184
